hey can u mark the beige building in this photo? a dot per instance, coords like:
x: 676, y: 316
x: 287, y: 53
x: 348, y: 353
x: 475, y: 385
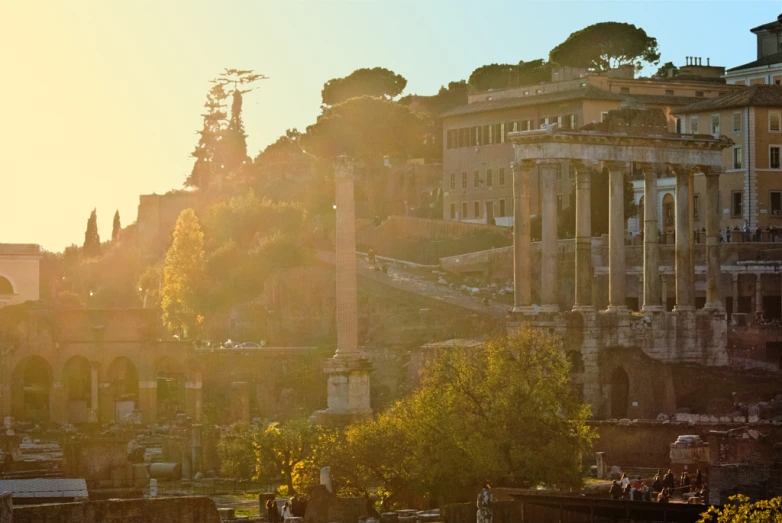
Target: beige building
x: 767, y: 67
x: 19, y: 273
x: 477, y: 153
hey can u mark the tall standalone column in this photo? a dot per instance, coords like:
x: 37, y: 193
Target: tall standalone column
x: 93, y: 412
x: 617, y: 299
x: 713, y: 301
x: 347, y: 301
x: 548, y: 245
x: 584, y: 274
x: 651, y: 280
x: 522, y: 265
x: 684, y: 255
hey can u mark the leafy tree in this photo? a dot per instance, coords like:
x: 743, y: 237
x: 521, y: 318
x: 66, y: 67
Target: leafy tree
x: 378, y: 82
x: 149, y: 284
x: 237, y: 451
x: 502, y: 76
x: 91, y: 247
x: 364, y: 127
x: 504, y: 411
x: 432, y: 107
x: 607, y: 45
x: 183, y: 276
x: 663, y: 70
x: 116, y: 227
x: 289, y: 450
x: 741, y: 509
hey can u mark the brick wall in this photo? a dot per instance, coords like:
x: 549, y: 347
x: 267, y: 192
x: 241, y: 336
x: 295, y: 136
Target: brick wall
x: 757, y: 482
x: 195, y: 509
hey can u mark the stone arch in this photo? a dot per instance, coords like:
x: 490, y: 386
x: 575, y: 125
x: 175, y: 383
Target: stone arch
x: 76, y: 381
x: 171, y: 379
x: 668, y: 216
x: 619, y: 393
x: 31, y: 389
x: 123, y: 388
x: 6, y: 288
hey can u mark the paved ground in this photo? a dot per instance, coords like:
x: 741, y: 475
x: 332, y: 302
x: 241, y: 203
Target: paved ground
x: 409, y: 282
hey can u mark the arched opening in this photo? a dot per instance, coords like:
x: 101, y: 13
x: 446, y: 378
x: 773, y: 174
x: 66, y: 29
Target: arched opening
x: 123, y: 387
x: 32, y: 386
x: 76, y: 378
x: 170, y: 390
x: 5, y: 287
x: 669, y: 216
x: 620, y: 392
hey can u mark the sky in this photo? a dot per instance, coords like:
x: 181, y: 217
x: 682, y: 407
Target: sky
x: 103, y: 97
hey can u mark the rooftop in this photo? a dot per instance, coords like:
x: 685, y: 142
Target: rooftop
x: 766, y: 60
x: 755, y: 95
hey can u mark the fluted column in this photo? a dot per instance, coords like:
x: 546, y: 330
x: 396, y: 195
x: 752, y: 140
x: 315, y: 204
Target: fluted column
x: 347, y: 307
x: 617, y: 298
x: 584, y: 274
x: 713, y: 301
x: 548, y: 245
x: 684, y: 262
x: 522, y: 264
x: 651, y: 280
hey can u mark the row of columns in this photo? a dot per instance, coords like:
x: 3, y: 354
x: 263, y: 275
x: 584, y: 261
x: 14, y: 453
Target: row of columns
x: 652, y: 295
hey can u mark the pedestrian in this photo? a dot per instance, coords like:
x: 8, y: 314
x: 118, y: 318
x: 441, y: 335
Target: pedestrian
x: 272, y: 512
x: 668, y: 481
x: 727, y: 234
x: 698, y: 480
x: 286, y: 511
x: 484, y: 504
x: 685, y: 482
x: 664, y: 496
x: 615, y: 491
x: 657, y: 484
x: 624, y: 481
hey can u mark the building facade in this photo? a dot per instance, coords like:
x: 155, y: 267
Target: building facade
x: 767, y: 67
x: 19, y: 273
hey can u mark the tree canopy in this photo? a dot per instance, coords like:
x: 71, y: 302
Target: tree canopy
x: 183, y: 276
x: 607, y: 45
x: 740, y: 509
x: 377, y: 82
x: 364, y: 127
x: 502, y: 76
x: 91, y: 245
x: 116, y: 227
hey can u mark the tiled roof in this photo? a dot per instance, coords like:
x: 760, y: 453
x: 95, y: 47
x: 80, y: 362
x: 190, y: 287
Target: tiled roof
x: 756, y: 95
x: 582, y: 93
x: 766, y: 60
x: 45, y: 488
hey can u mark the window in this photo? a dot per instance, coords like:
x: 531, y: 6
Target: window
x: 475, y: 136
x: 773, y: 121
x: 559, y: 171
x: 696, y: 206
x: 464, y: 137
x: 736, y: 203
x: 558, y: 119
x: 476, y: 207
x: 546, y: 120
x: 502, y: 207
x: 695, y: 127
x: 452, y: 183
x: 776, y: 203
x: 488, y: 178
x: 452, y: 139
x: 773, y: 157
x: 487, y: 137
x: 453, y: 211
x: 464, y: 210
x: 669, y: 92
x: 678, y: 126
x: 624, y: 90
x: 715, y: 124
x: 736, y: 122
x: 737, y: 157
x: 559, y: 203
x: 699, y: 94
x: 526, y: 125
x: 501, y: 175
x: 571, y: 170
x: 499, y: 133
x: 568, y: 121
x: 476, y: 178
x: 464, y: 180
x: 603, y: 116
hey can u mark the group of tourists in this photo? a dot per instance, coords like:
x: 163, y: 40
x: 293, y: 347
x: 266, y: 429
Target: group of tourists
x: 293, y: 508
x: 769, y: 234
x: 662, y: 488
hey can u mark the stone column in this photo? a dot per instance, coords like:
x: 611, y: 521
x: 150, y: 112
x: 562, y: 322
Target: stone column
x: 92, y: 415
x: 347, y: 300
x: 651, y: 279
x: 684, y: 265
x: 735, y: 292
x: 664, y: 291
x: 616, y: 238
x: 584, y: 275
x: 758, y: 295
x: 522, y: 263
x: 713, y: 301
x: 548, y: 245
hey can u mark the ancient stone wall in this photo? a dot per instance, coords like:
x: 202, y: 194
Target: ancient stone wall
x: 159, y: 510
x: 756, y: 481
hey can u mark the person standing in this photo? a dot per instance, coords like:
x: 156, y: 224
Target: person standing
x: 484, y: 504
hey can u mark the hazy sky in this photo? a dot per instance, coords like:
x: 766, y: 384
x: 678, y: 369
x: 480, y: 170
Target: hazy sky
x: 102, y: 98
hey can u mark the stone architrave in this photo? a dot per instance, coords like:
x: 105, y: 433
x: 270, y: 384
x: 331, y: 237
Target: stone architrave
x: 522, y: 263
x: 584, y: 274
x: 548, y: 244
x: 617, y: 299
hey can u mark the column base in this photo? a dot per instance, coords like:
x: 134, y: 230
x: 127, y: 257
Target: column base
x: 618, y: 309
x: 583, y: 308
x: 652, y: 309
x: 523, y: 309
x: 683, y: 308
x: 551, y: 307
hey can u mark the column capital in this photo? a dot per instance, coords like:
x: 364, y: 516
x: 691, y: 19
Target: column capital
x: 712, y: 171
x: 735, y: 277
x: 584, y: 165
x: 654, y: 167
x: 687, y: 169
x: 525, y: 164
x: 548, y: 162
x: 613, y: 165
x: 343, y: 167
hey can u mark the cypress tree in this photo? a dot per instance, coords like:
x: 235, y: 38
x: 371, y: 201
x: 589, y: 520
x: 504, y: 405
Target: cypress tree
x: 91, y: 246
x: 116, y: 227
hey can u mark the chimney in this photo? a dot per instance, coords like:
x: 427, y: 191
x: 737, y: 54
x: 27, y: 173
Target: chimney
x: 700, y: 61
x: 686, y: 60
x: 708, y: 62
